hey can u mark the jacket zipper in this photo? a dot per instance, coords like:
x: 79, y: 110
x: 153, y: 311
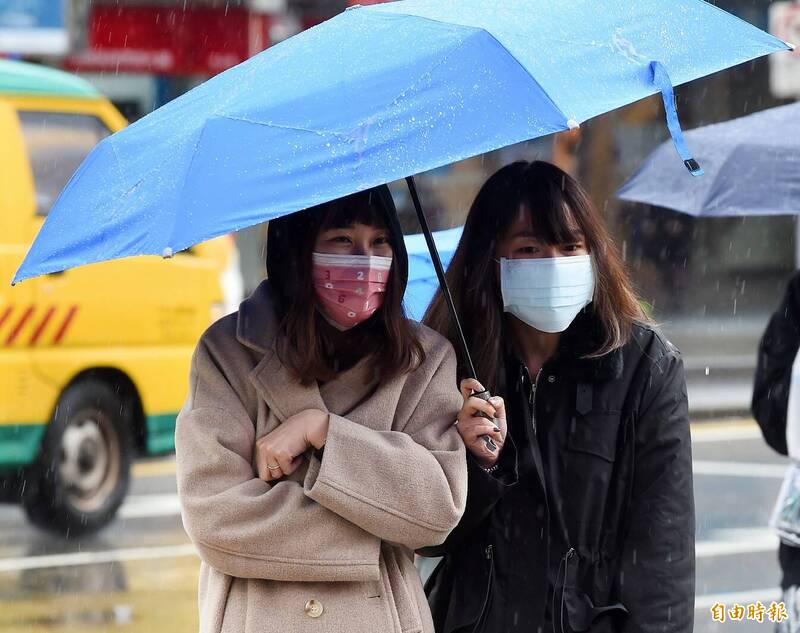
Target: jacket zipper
x: 571, y: 551
x: 489, y: 552
x: 532, y: 398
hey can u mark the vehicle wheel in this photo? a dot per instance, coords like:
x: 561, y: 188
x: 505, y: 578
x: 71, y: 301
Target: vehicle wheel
x: 82, y: 474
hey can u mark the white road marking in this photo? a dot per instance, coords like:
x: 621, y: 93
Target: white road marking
x: 768, y: 594
x: 725, y: 432
x: 94, y: 558
x: 145, y: 506
x: 739, y: 469
x: 754, y: 541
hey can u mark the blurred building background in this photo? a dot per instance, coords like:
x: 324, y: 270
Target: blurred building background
x: 712, y: 282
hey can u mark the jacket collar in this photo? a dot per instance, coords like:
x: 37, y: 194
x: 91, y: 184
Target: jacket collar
x: 581, y: 338
x: 256, y: 328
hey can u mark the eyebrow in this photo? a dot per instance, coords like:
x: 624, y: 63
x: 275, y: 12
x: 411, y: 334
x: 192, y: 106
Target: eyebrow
x: 350, y: 226
x: 524, y: 233
x: 577, y: 235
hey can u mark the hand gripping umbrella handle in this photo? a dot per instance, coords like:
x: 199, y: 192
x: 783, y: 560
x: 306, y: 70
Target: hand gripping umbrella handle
x: 448, y: 298
x: 485, y: 395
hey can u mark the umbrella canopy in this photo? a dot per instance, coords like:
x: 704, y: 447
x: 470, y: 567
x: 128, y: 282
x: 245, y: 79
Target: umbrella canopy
x: 373, y: 95
x: 752, y: 166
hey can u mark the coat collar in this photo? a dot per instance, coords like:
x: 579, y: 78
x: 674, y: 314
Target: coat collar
x: 256, y: 322
x: 256, y: 328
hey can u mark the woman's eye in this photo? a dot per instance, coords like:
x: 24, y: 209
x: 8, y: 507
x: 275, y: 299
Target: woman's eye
x: 342, y: 239
x: 528, y: 250
x: 380, y: 241
x: 571, y: 248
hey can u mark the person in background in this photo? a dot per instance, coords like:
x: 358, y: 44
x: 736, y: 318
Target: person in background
x: 581, y: 517
x: 315, y: 451
x: 771, y: 406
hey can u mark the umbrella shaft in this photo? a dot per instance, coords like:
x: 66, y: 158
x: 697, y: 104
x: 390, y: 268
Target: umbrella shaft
x: 437, y: 264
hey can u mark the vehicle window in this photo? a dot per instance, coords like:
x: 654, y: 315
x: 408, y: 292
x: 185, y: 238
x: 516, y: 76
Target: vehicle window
x: 57, y: 143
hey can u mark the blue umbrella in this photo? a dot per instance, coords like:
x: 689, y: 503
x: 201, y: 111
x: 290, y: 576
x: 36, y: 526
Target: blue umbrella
x: 752, y: 166
x: 422, y: 280
x: 376, y: 94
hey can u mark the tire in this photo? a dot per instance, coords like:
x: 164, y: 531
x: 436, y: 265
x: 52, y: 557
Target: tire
x: 82, y: 473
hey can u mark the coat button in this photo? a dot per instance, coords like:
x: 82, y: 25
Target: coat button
x: 314, y: 608
x: 551, y: 379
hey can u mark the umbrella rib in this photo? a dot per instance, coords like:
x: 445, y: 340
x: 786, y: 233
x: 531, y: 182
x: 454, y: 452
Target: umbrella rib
x: 120, y: 173
x: 527, y: 72
x: 497, y: 41
x: 167, y: 247
x: 348, y: 135
x: 183, y: 189
x: 283, y: 126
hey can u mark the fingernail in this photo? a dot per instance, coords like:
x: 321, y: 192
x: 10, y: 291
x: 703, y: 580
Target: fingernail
x: 497, y: 429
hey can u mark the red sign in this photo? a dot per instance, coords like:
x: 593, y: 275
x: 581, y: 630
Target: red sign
x: 170, y: 41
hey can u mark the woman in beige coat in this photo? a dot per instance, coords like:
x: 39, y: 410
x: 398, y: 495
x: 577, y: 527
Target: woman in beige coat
x: 316, y: 449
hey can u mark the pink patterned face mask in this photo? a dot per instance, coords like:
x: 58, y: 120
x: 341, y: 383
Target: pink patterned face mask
x: 350, y: 288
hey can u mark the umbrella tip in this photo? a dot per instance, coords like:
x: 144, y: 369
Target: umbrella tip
x: 167, y: 253
x: 791, y: 46
x: 572, y: 124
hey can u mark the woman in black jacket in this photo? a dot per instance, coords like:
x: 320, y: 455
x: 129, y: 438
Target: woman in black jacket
x: 773, y: 379
x: 582, y: 518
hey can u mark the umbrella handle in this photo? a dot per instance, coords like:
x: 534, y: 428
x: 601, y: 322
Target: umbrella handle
x: 486, y: 396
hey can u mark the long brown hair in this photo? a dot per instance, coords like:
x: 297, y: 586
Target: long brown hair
x: 559, y: 208
x: 305, y: 343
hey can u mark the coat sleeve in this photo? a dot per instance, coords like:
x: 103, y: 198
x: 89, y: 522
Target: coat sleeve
x: 407, y: 486
x: 656, y: 580
x: 776, y: 354
x: 240, y: 524
x: 484, y: 491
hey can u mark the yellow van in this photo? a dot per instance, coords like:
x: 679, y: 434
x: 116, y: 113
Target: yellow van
x: 93, y: 361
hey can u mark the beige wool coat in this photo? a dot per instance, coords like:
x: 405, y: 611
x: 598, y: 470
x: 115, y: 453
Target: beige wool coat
x: 329, y: 548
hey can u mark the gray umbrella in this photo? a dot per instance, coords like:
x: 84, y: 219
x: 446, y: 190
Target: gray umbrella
x: 752, y: 167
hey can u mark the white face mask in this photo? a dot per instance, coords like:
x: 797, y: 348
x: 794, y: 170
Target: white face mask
x: 547, y: 293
